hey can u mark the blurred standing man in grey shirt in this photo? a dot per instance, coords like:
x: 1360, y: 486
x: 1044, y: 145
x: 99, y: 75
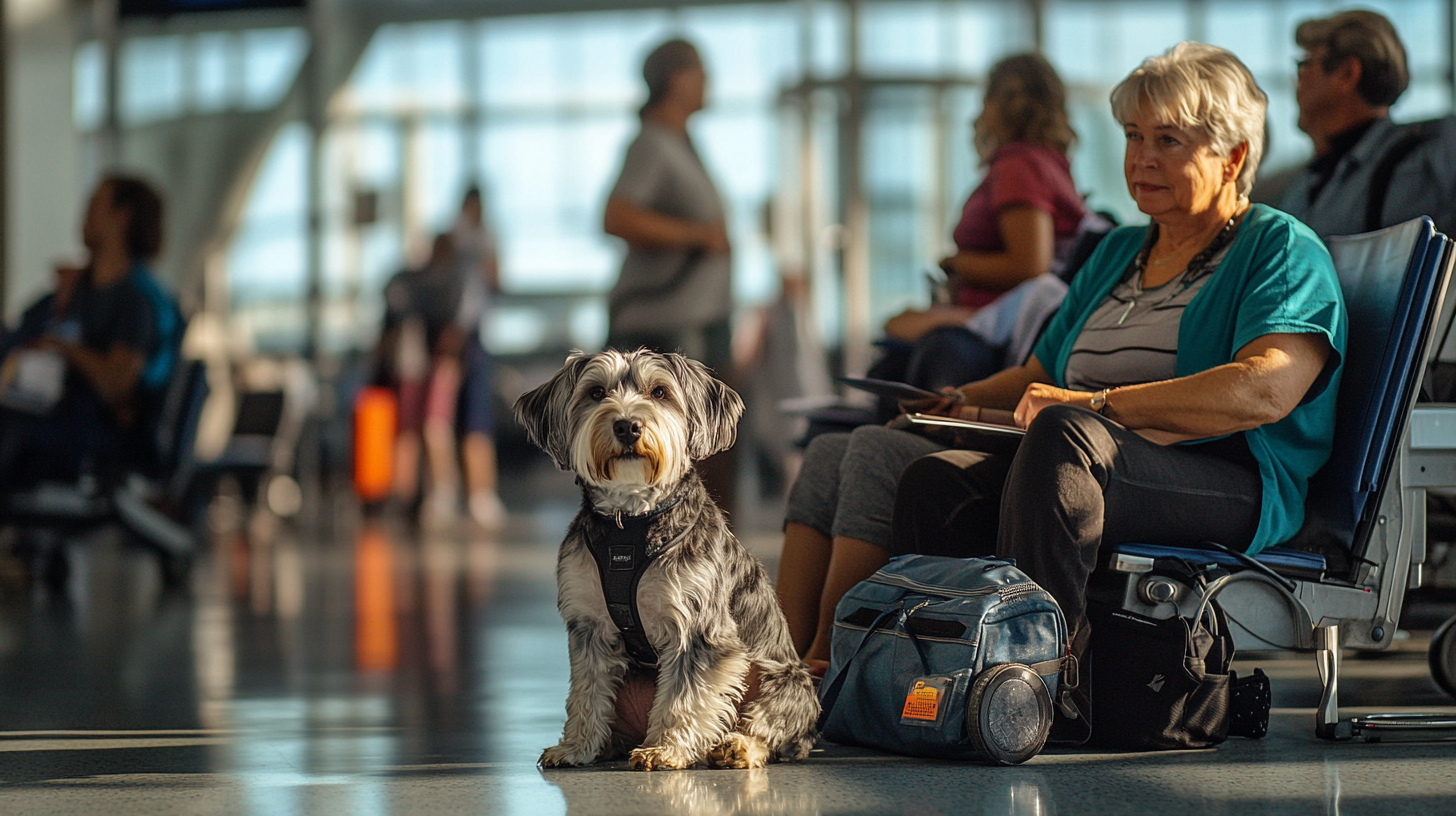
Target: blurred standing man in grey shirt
x: 675, y: 292
x: 1367, y: 172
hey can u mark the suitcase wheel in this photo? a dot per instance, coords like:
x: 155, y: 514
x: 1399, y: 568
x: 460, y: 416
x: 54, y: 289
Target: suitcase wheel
x: 1008, y: 714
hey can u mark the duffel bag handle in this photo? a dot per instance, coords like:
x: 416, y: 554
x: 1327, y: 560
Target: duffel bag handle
x: 836, y: 685
x: 914, y: 639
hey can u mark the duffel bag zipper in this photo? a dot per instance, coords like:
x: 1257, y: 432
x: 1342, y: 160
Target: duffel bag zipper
x: 897, y: 632
x: 931, y: 589
x: 1013, y: 591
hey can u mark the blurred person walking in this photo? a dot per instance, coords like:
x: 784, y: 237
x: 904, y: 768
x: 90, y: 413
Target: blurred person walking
x: 420, y: 346
x: 479, y: 267
x: 675, y: 290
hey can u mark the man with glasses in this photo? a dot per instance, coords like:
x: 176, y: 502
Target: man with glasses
x: 1367, y: 172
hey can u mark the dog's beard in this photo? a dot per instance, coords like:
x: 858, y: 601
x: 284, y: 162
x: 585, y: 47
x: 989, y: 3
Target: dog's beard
x: 636, y: 479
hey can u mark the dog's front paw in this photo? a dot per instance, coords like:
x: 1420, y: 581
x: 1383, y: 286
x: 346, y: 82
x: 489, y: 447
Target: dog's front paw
x: 659, y: 758
x: 739, y: 751
x: 565, y: 754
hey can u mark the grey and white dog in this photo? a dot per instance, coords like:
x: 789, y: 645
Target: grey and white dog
x: 630, y: 425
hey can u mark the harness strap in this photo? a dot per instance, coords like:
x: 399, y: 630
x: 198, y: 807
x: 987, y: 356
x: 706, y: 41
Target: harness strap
x: 621, y: 561
x: 618, y: 544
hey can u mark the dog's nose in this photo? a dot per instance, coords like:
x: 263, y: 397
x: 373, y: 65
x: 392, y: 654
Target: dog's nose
x: 627, y: 431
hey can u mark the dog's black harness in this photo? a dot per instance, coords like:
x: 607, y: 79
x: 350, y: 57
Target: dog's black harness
x: 619, y: 546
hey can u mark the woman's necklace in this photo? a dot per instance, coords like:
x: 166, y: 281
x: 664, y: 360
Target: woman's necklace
x: 1195, y: 269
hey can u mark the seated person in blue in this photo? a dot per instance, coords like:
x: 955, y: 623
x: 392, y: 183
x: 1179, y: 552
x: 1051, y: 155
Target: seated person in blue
x: 144, y: 243
x: 107, y: 329
x: 1184, y: 392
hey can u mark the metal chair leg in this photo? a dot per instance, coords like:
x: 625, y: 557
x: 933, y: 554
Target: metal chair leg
x: 1370, y: 728
x: 1327, y: 659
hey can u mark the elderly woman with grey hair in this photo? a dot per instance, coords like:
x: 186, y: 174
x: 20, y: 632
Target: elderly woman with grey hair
x: 1184, y: 392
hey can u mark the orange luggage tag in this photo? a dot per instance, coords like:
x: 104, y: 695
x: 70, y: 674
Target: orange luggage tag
x: 925, y: 701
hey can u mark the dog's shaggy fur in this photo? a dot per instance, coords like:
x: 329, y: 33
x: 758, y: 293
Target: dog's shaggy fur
x: 630, y: 425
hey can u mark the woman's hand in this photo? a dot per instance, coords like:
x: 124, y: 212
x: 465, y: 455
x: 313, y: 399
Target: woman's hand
x: 945, y: 405
x: 1040, y: 395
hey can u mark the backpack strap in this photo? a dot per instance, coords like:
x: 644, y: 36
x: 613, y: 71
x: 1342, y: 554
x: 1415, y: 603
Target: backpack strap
x: 1416, y: 136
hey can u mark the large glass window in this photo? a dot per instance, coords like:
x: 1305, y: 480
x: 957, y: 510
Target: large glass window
x: 270, y: 60
x: 151, y: 79
x: 164, y: 77
x: 268, y: 260
x: 538, y: 110
x: 88, y: 86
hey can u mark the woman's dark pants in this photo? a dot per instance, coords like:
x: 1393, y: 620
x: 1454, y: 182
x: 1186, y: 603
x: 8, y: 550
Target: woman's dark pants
x: 1078, y: 482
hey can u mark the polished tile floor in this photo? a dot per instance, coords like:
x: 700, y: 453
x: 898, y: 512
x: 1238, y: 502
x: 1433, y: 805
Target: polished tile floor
x: 329, y: 665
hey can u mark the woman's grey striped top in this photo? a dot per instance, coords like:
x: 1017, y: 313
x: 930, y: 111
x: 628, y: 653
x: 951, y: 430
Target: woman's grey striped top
x: 1126, y: 345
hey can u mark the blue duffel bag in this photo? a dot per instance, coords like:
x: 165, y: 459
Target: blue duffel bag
x: 955, y: 658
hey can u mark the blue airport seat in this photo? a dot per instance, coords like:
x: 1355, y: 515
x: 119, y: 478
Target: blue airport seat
x: 1293, y: 563
x: 1341, y: 581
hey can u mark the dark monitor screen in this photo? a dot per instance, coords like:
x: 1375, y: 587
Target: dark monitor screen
x: 166, y: 8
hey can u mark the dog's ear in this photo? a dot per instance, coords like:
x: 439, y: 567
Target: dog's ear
x: 545, y: 412
x: 713, y: 408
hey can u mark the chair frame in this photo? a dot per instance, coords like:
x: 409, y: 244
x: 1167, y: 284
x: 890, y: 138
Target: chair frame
x: 1360, y: 609
x: 88, y: 504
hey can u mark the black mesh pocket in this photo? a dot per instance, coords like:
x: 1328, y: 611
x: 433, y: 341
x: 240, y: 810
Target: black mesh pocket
x: 1249, y: 703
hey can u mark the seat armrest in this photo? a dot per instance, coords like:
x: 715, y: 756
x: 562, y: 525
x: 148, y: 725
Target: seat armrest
x: 1430, y: 456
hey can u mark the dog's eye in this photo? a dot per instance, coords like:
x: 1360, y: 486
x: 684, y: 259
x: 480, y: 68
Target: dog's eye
x: 599, y: 393
x: 659, y: 392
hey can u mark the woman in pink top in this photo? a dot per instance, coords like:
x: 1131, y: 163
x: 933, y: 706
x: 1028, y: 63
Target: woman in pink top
x: 1025, y: 213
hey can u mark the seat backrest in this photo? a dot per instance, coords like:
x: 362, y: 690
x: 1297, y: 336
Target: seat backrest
x: 184, y: 441
x: 1095, y: 226
x: 260, y: 413
x: 1392, y: 281
x: 181, y: 410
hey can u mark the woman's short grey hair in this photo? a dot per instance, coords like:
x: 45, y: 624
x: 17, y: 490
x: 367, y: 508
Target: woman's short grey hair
x: 1202, y: 88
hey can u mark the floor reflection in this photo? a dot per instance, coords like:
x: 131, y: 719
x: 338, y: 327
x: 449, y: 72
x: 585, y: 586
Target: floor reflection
x: 1024, y: 797
x: 376, y: 636
x: 344, y: 664
x: 691, y: 793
